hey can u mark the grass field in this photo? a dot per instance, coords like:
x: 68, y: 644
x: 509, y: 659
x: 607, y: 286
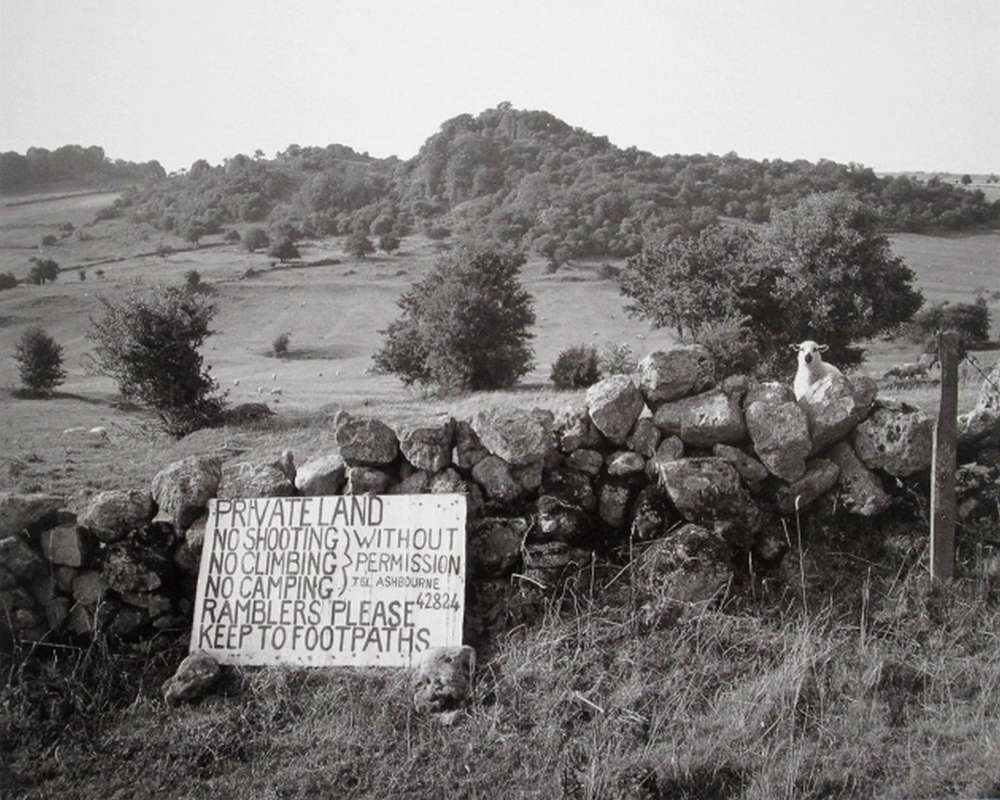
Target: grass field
x: 333, y: 314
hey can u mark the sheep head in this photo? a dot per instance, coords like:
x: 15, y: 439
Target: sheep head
x: 810, y: 353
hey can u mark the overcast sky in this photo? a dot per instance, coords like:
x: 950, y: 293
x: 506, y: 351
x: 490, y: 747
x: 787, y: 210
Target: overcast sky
x: 895, y: 84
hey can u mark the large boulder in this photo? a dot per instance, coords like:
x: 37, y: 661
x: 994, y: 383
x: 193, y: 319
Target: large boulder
x: 272, y: 479
x: 574, y: 429
x: 653, y: 514
x: 571, y: 486
x: 703, y: 420
x: 468, y: 450
x: 688, y: 564
x: 768, y: 392
x: 897, y: 438
x: 614, y: 404
x: 615, y: 499
x: 21, y: 511
x: 517, y: 436
x: 682, y: 370
x: 708, y: 492
x: 588, y: 461
x: 184, y: 488
x: 110, y: 515
x: 128, y: 568
x: 19, y: 559
x: 194, y: 678
x: 670, y: 449
x: 780, y: 436
x: 321, y: 476
x: 625, y: 463
x: 751, y: 470
x: 819, y: 478
x: 834, y: 405
x: 450, y: 482
x: 366, y: 480
x: 861, y: 490
x: 977, y: 425
x: 561, y: 521
x: 495, y: 545
x: 428, y: 445
x: 365, y: 442
x: 494, y: 476
x: 644, y: 438
x: 66, y: 545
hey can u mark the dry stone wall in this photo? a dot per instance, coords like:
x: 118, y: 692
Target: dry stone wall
x: 697, y: 470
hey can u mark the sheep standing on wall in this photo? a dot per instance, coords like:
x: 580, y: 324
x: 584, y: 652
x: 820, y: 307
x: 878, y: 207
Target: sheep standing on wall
x: 811, y: 366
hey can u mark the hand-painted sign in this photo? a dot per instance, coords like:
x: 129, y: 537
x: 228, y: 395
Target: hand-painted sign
x: 323, y: 581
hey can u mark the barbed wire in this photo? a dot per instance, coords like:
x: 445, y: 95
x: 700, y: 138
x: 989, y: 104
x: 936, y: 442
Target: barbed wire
x: 978, y: 368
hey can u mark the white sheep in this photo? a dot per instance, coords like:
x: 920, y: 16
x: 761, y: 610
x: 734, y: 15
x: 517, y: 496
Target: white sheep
x: 277, y: 390
x: 93, y: 435
x: 811, y: 366
x: 236, y: 382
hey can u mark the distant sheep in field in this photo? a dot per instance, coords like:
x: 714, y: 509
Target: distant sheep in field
x: 236, y: 382
x: 97, y: 435
x: 274, y: 376
x: 912, y: 370
x: 811, y: 366
x: 277, y: 390
x: 260, y: 390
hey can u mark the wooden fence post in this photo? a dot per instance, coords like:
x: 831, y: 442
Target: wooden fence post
x: 945, y: 462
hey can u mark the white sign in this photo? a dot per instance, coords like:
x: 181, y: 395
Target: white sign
x: 323, y: 581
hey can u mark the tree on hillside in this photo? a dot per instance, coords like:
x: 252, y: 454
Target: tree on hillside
x: 818, y: 271
x: 256, y: 239
x: 284, y: 250
x: 966, y: 179
x: 39, y: 361
x: 7, y: 280
x: 149, y: 342
x: 388, y: 242
x: 465, y: 326
x: 358, y: 244
x: 43, y: 270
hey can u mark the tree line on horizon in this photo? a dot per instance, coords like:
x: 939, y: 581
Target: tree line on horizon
x: 530, y: 180
x: 39, y: 167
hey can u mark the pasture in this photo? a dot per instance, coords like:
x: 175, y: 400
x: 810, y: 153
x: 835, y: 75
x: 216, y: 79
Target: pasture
x: 333, y: 314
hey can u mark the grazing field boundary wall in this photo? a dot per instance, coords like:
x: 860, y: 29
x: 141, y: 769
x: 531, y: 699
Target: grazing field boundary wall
x: 673, y: 468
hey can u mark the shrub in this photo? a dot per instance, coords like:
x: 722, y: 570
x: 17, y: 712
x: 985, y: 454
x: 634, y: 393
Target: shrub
x: 82, y: 273
x: 280, y: 344
x: 163, y: 249
x: 148, y: 342
x: 388, y: 242
x: 284, y: 250
x: 256, y: 239
x: 617, y: 359
x: 552, y: 266
x: 576, y: 368
x: 733, y: 346
x: 48, y: 240
x: 7, y: 281
x: 970, y: 320
x: 39, y: 360
x: 192, y: 280
x: 818, y: 271
x: 466, y: 325
x: 43, y: 270
x: 358, y: 244
x: 99, y: 273
x: 232, y: 236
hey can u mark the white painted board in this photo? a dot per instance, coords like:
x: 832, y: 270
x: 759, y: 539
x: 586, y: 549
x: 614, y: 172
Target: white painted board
x: 331, y: 581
